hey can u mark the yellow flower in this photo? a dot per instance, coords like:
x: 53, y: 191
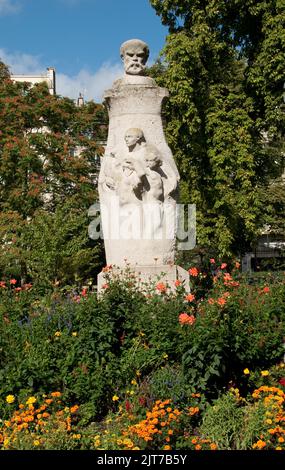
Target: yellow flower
x: 36, y: 442
x: 6, y: 442
x: 115, y: 398
x: 278, y: 448
x: 246, y: 371
x: 10, y: 399
x: 167, y: 448
x: 74, y: 333
x: 31, y: 400
x: 165, y: 356
x: 264, y: 373
x: 134, y: 382
x: 138, y: 373
x: 57, y: 334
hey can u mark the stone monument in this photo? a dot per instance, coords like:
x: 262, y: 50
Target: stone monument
x: 138, y: 180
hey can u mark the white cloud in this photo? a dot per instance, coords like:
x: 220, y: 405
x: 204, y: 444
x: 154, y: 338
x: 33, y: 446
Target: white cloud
x: 19, y: 63
x: 8, y: 6
x: 91, y: 85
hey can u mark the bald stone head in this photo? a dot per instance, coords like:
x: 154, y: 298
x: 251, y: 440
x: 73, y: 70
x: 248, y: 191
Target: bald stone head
x: 134, y: 54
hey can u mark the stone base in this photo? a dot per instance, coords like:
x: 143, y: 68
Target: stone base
x: 148, y: 274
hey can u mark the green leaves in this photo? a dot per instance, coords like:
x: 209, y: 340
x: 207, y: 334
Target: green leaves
x: 224, y: 68
x: 48, y: 159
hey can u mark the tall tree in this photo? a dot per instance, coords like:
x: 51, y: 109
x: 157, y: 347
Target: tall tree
x: 224, y: 67
x: 48, y: 163
x: 4, y: 71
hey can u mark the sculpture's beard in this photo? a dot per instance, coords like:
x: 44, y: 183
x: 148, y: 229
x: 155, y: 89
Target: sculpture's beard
x: 134, y: 68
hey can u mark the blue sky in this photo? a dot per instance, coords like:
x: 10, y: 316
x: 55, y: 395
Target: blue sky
x: 80, y: 38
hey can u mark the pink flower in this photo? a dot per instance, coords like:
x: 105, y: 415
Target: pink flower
x: 13, y: 281
x: 223, y: 265
x: 212, y: 261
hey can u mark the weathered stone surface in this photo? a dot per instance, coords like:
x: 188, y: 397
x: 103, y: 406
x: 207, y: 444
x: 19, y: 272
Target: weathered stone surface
x: 138, y: 181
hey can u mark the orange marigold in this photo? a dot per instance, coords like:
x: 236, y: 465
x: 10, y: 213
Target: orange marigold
x: 74, y: 408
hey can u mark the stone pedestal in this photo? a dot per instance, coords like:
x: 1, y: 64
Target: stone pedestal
x: 150, y: 275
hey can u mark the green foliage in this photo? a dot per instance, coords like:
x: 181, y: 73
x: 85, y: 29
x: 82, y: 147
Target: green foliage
x: 49, y: 152
x: 224, y: 68
x: 223, y: 421
x: 120, y: 355
x: 244, y: 327
x: 58, y: 248
x: 4, y: 71
x: 169, y: 382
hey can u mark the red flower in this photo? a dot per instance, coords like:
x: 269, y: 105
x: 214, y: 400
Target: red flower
x: 13, y: 281
x: 221, y: 301
x: 2, y: 284
x: 128, y: 406
x: 142, y: 401
x: 84, y: 292
x: 177, y: 283
x: 193, y: 272
x: 266, y: 290
x: 190, y: 297
x: 282, y: 381
x: 161, y: 287
x: 211, y: 301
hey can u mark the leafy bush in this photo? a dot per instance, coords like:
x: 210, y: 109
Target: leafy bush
x: 121, y: 352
